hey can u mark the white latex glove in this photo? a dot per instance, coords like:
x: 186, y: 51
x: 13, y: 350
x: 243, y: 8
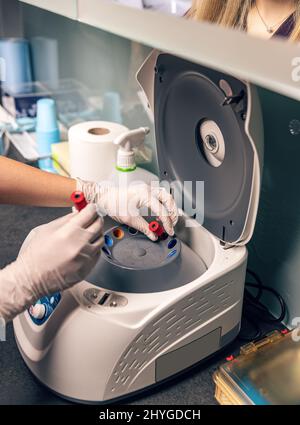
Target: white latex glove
x: 124, y: 204
x: 53, y: 257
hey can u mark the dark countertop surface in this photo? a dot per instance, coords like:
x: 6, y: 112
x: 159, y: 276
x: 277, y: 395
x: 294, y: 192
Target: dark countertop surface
x: 17, y: 384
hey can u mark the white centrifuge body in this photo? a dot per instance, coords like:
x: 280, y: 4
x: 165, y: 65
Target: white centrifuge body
x: 99, y: 345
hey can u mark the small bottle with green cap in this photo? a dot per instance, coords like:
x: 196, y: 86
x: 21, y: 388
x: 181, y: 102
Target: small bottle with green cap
x: 126, y: 170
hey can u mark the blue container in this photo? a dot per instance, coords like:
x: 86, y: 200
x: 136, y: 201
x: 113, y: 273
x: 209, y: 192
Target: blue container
x: 45, y: 63
x: 47, y: 131
x: 16, y: 64
x: 22, y: 105
x: 112, y: 107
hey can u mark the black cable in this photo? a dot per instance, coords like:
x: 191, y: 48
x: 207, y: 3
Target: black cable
x: 253, y: 302
x: 258, y: 281
x: 262, y: 307
x: 258, y: 332
x: 261, y: 288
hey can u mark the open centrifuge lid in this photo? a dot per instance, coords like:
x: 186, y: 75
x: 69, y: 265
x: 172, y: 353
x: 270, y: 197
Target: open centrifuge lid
x: 209, y: 129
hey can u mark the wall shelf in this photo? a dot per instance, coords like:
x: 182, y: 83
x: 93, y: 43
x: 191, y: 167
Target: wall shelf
x: 66, y: 8
x: 270, y: 64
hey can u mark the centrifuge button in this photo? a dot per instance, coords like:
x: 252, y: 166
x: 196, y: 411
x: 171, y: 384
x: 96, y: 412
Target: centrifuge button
x: 37, y: 311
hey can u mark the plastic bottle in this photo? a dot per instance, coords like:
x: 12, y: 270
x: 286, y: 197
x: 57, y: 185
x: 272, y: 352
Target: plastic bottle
x: 126, y: 172
x: 47, y: 131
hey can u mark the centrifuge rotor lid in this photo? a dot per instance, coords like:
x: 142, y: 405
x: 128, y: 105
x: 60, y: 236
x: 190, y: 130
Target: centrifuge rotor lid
x: 203, y: 123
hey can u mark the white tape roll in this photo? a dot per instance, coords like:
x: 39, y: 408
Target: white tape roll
x: 92, y: 151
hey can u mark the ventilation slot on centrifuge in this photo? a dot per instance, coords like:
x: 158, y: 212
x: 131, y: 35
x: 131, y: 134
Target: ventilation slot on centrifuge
x: 185, y: 317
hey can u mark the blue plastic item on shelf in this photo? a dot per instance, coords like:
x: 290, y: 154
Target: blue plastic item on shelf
x: 45, y: 62
x: 47, y: 131
x: 112, y: 107
x: 16, y: 61
x: 23, y: 103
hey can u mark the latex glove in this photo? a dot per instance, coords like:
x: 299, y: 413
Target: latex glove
x: 124, y: 204
x: 53, y: 257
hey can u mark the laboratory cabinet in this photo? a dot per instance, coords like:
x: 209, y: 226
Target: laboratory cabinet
x: 62, y: 7
x: 245, y: 57
x: 106, y: 42
x: 99, y: 46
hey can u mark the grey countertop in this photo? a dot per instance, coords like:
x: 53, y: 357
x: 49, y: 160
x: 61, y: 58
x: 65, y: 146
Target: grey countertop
x: 18, y: 386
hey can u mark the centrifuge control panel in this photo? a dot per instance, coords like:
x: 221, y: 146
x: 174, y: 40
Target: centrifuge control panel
x: 43, y: 308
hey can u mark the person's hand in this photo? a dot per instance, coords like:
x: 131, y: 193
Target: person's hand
x: 126, y: 205
x: 53, y: 257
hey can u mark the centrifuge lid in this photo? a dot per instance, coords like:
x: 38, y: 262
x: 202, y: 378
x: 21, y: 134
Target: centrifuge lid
x: 209, y: 129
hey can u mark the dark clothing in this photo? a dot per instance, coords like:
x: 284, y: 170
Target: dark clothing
x: 286, y: 29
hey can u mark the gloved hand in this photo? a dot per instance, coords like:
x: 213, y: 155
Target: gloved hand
x: 53, y: 257
x: 124, y: 204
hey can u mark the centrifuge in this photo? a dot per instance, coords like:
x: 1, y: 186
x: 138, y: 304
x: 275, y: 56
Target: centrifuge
x: 150, y: 310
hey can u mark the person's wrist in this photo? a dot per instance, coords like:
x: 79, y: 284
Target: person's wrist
x: 28, y: 282
x: 16, y: 290
x: 4, y: 316
x: 89, y: 189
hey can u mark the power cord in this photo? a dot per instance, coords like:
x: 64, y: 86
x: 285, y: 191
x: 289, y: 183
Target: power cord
x: 254, y: 312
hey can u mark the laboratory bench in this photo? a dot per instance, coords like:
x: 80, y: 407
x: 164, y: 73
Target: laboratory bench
x: 18, y: 385
x: 95, y: 28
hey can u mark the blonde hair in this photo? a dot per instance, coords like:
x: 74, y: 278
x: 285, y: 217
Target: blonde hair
x: 233, y: 13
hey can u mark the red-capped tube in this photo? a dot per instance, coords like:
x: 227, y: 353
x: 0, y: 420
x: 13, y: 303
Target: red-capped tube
x: 156, y: 228
x: 78, y: 200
